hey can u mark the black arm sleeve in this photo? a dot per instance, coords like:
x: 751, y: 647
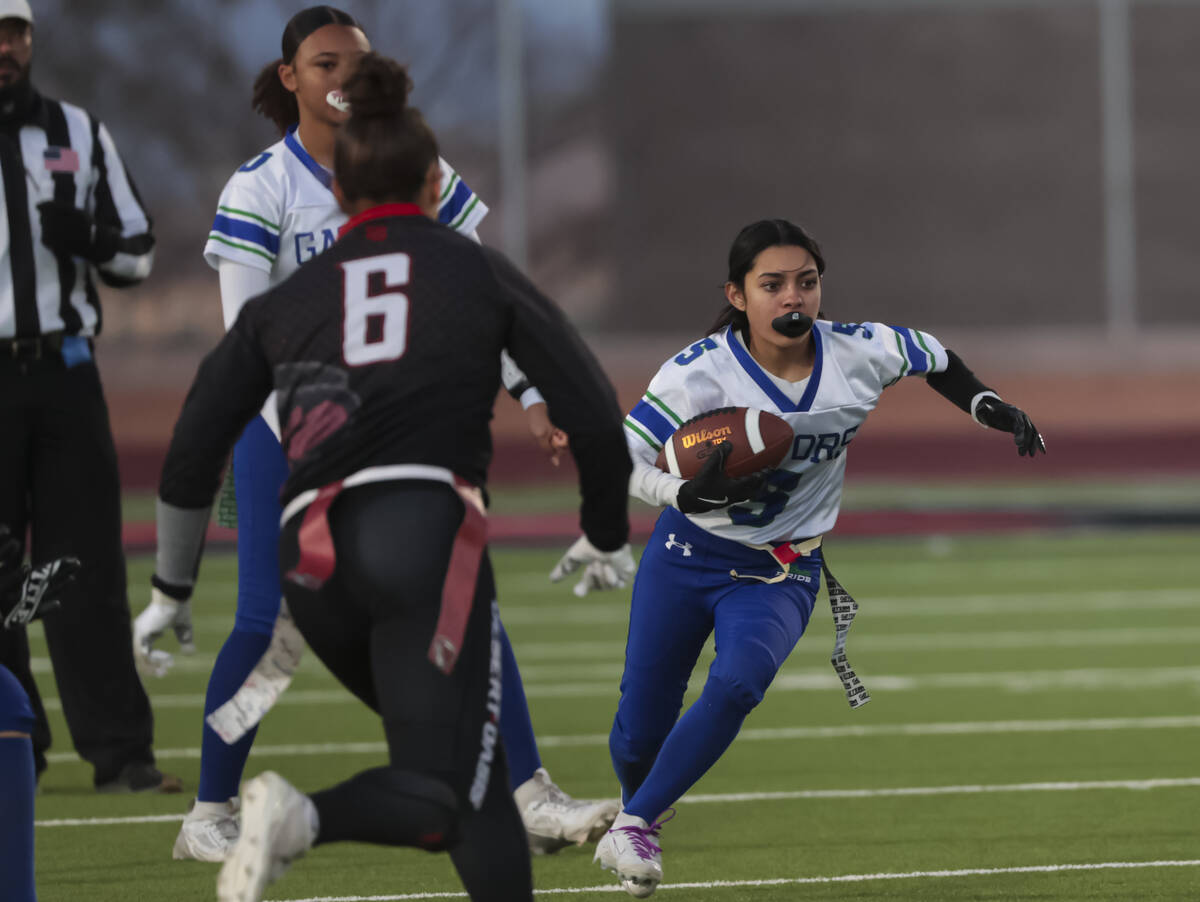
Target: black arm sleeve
x: 580, y: 399
x: 230, y: 387
x: 957, y: 384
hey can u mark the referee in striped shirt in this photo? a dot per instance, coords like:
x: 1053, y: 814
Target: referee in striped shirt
x: 71, y: 214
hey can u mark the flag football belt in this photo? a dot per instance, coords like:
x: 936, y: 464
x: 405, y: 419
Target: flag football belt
x: 844, y: 608
x: 318, y: 558
x: 273, y: 673
x: 842, y: 605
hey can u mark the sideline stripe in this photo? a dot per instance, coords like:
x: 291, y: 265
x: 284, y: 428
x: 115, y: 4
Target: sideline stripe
x: 702, y: 798
x: 795, y: 881
x: 760, y: 734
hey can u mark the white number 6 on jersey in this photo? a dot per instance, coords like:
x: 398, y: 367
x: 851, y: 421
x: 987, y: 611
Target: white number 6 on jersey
x: 374, y: 310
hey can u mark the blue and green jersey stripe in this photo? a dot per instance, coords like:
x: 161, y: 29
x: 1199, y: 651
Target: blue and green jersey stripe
x: 636, y: 428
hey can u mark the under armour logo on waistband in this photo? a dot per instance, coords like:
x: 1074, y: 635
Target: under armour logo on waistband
x: 671, y: 543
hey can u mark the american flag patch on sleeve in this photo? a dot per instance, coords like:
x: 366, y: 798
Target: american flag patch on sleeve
x: 60, y: 159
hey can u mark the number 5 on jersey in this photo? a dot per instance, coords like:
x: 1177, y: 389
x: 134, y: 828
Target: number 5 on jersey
x: 374, y: 310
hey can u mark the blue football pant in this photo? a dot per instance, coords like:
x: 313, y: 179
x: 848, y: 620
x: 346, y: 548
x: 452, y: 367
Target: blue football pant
x: 677, y: 602
x: 17, y: 787
x: 259, y: 470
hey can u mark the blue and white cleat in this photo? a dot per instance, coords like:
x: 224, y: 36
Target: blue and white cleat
x: 209, y: 832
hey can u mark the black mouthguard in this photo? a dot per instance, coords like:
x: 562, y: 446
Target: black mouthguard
x: 793, y: 324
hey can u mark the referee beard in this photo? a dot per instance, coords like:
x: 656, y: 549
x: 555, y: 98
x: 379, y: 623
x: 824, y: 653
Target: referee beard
x: 72, y: 215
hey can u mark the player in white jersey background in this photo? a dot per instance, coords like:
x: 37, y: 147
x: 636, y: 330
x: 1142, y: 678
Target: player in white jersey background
x: 741, y: 558
x: 276, y: 212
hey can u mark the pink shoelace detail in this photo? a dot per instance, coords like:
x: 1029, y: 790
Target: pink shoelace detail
x: 642, y: 838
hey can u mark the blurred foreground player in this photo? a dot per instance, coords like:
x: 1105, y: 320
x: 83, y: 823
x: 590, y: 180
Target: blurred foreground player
x: 276, y: 212
x: 25, y: 594
x: 385, y: 352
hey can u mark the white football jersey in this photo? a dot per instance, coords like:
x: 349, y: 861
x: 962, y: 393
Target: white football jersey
x: 277, y: 211
x: 854, y: 363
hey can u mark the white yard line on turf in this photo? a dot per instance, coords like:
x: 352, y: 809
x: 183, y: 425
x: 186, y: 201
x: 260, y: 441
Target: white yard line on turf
x: 615, y: 608
x: 796, y: 881
x: 1055, y: 786
x: 752, y: 734
x: 709, y: 798
x: 196, y: 700
x: 1095, y: 679
x: 110, y: 821
x: 824, y: 680
x: 1078, y: 637
x: 890, y: 606
x: 611, y: 652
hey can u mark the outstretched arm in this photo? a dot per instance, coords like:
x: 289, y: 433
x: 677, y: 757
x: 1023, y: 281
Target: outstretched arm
x: 962, y: 388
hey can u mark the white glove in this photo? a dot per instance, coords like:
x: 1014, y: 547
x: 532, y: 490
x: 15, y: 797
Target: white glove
x: 162, y: 612
x: 603, y: 570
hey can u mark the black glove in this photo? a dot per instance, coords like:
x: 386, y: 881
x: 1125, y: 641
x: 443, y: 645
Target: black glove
x: 26, y: 594
x: 712, y: 488
x: 995, y: 413
x: 68, y: 230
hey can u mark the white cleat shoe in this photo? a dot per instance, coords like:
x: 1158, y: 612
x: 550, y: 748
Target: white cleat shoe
x: 554, y: 820
x: 279, y: 824
x: 209, y: 832
x: 630, y: 851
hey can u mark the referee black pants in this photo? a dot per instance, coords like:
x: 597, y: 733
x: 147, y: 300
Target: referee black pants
x: 59, y: 479
x: 371, y: 624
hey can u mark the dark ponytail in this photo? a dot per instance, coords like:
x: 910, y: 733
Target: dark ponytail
x: 749, y: 243
x: 384, y: 150
x: 270, y: 98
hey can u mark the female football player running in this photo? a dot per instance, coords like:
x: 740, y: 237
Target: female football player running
x: 387, y: 398
x: 276, y: 212
x: 741, y: 558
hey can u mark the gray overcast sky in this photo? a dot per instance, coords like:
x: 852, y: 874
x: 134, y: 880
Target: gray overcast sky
x: 565, y: 41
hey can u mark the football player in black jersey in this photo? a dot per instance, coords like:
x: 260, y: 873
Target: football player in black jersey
x: 385, y: 354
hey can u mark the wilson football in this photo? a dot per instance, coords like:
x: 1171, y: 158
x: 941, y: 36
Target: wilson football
x: 760, y: 440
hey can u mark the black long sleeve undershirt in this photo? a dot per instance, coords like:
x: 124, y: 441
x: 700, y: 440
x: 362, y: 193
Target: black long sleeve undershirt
x: 957, y: 384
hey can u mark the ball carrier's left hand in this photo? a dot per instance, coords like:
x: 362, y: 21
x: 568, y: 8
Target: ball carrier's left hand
x: 713, y: 488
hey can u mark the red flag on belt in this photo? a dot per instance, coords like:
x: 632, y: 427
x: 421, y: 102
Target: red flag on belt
x: 60, y: 159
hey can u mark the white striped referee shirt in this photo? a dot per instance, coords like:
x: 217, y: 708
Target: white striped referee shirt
x: 61, y: 153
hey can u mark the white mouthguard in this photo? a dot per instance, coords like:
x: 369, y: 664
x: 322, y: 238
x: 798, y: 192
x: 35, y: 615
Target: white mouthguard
x: 338, y: 101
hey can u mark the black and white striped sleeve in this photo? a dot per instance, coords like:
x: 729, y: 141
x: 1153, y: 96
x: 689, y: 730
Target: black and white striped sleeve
x: 117, y: 205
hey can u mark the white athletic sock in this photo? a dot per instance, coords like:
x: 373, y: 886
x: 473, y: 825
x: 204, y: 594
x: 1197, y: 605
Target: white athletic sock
x: 209, y: 809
